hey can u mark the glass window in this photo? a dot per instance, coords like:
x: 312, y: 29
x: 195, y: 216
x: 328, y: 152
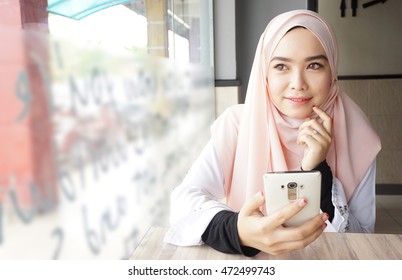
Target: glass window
x: 168, y: 28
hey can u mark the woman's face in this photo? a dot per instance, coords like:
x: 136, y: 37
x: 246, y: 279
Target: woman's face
x: 299, y: 74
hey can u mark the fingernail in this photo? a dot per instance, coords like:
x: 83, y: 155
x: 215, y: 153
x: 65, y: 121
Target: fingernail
x: 324, y: 225
x: 262, y: 192
x: 302, y: 202
x: 325, y: 217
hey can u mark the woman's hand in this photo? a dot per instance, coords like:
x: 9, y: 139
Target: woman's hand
x: 316, y: 138
x: 268, y: 234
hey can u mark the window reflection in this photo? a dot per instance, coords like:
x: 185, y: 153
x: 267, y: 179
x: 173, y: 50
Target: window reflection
x: 167, y: 28
x: 94, y: 134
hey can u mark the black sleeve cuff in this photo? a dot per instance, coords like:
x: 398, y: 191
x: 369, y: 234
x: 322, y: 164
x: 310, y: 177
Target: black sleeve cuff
x: 326, y: 189
x: 221, y: 234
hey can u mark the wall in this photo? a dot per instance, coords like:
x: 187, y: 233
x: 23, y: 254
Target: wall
x: 381, y: 100
x: 225, y: 40
x: 369, y: 43
x: 226, y: 83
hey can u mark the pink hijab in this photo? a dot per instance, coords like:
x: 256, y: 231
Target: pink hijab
x: 253, y: 138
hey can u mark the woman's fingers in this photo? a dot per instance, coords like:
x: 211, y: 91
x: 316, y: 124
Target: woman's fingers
x: 311, y: 134
x: 285, y: 213
x: 324, y: 128
x: 314, y: 128
x: 250, y: 220
x: 327, y: 121
x: 287, y: 246
x: 316, y: 136
x: 252, y: 205
x: 268, y: 234
x: 294, y: 238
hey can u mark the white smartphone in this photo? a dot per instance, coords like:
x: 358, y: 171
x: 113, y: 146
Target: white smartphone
x: 282, y: 188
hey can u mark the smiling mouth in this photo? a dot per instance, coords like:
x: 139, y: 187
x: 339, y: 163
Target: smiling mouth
x: 300, y: 101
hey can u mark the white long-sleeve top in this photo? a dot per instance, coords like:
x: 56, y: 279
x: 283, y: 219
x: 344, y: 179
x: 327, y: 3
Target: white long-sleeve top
x: 201, y: 196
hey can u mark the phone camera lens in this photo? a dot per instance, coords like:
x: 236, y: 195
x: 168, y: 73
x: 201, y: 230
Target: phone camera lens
x: 292, y: 185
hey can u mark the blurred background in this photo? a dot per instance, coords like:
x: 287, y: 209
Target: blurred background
x: 104, y: 106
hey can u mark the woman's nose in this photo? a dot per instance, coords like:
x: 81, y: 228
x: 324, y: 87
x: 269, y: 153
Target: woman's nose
x: 298, y: 81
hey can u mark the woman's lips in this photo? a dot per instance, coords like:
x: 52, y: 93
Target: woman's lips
x: 299, y: 100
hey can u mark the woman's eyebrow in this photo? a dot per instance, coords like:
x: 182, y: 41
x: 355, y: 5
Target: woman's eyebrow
x: 310, y: 58
x: 316, y: 57
x: 281, y: 58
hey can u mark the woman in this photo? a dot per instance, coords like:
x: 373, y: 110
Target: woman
x: 294, y: 117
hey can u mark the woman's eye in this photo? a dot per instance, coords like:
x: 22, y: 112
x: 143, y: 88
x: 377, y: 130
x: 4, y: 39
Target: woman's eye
x: 315, y: 66
x: 280, y: 67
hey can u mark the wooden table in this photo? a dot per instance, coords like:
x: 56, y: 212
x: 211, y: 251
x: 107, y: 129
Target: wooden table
x: 329, y: 246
